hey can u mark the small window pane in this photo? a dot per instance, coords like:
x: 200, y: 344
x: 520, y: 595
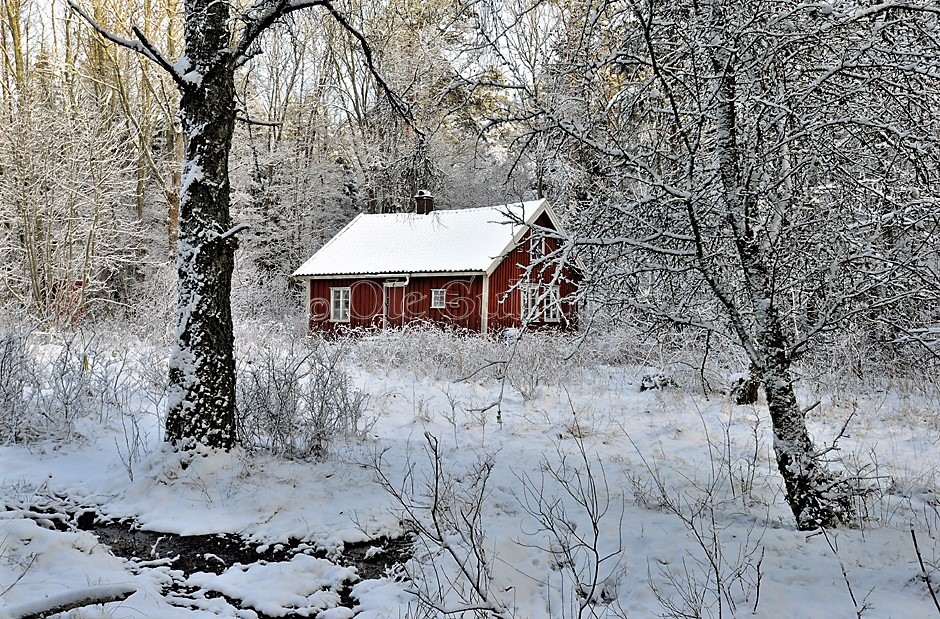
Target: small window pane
x: 553, y: 305
x: 339, y: 304
x: 530, y: 297
x: 438, y: 298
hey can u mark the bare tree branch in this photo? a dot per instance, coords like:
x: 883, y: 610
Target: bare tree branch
x: 265, y: 12
x: 69, y: 600
x: 393, y: 98
x: 258, y: 123
x: 142, y: 46
x: 269, y: 11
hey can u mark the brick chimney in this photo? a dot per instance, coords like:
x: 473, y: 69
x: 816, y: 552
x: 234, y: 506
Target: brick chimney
x: 424, y: 201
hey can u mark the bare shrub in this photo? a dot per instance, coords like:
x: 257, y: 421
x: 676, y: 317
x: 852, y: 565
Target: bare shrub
x: 45, y: 385
x: 430, y: 351
x: 536, y: 359
x: 294, y: 400
x: 49, y: 381
x: 545, y: 358
x: 570, y: 502
x: 723, y: 571
x: 854, y: 361
x: 15, y: 367
x: 62, y: 389
x: 452, y: 572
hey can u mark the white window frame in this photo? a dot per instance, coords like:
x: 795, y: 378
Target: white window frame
x: 340, y: 304
x: 552, y: 311
x: 536, y: 248
x: 529, y: 303
x: 438, y: 298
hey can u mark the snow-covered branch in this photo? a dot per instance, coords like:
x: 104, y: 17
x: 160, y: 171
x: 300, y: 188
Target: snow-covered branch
x: 142, y: 45
x: 261, y: 16
x: 265, y: 13
x: 68, y: 600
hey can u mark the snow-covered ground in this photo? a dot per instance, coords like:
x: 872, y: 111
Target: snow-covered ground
x: 563, y: 492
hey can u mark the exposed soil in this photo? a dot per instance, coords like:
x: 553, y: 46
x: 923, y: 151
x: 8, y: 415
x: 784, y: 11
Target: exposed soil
x: 189, y: 553
x: 215, y: 553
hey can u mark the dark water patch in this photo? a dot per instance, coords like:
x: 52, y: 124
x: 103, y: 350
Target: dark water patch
x: 189, y: 553
x: 376, y: 558
x: 215, y: 553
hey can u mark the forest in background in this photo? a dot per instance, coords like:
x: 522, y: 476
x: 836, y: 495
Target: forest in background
x: 603, y: 108
x: 92, y: 146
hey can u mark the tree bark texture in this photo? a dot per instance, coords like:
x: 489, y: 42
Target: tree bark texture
x: 814, y: 494
x: 202, y: 364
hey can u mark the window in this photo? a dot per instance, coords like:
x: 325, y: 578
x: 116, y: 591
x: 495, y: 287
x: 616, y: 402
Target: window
x: 530, y: 303
x: 438, y: 298
x: 536, y: 248
x: 339, y: 304
x: 553, y: 305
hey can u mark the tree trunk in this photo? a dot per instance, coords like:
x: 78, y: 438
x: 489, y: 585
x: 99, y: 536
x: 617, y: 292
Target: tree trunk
x: 812, y: 491
x: 13, y: 10
x: 202, y: 363
x: 201, y: 398
x: 173, y: 196
x: 816, y: 496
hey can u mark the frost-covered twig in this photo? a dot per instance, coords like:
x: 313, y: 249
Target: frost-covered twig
x: 447, y: 515
x: 834, y: 547
x: 570, y: 491
x: 142, y: 45
x: 712, y: 578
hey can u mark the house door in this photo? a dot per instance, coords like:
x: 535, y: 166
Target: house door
x: 394, y: 306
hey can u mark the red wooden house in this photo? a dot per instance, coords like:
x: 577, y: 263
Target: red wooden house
x: 484, y: 269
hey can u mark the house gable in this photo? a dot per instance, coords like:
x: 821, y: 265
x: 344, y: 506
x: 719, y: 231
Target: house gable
x: 514, y: 277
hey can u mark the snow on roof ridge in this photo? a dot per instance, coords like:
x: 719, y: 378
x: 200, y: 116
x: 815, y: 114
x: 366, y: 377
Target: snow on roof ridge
x: 398, y: 243
x: 491, y: 207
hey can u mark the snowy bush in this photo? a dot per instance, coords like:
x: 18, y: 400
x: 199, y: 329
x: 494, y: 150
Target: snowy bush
x: 45, y: 388
x: 14, y: 369
x: 428, y: 351
x: 854, y: 360
x: 295, y: 399
x: 62, y: 388
x: 50, y: 381
x: 536, y: 359
x: 261, y: 295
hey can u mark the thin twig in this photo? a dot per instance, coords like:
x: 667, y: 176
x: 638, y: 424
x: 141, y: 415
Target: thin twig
x: 923, y: 571
x: 845, y: 574
x: 260, y: 123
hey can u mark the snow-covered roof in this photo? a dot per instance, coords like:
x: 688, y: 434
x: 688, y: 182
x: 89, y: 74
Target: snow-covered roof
x: 453, y: 241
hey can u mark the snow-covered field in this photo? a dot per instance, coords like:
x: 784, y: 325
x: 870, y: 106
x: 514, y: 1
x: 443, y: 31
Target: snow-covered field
x: 563, y: 491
